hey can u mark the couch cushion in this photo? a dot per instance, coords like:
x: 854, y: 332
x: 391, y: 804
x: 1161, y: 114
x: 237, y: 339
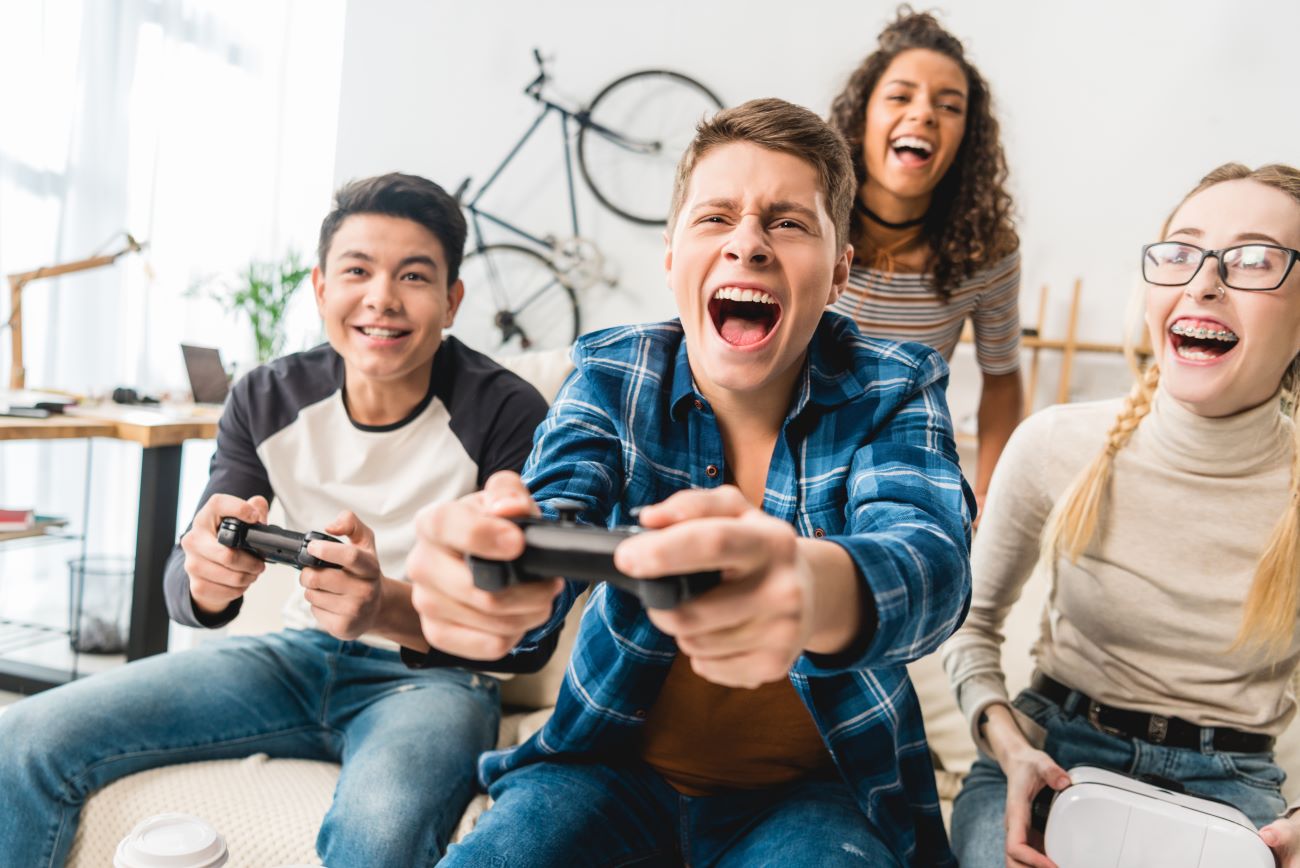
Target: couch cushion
x: 268, y: 810
x: 539, y: 689
x: 545, y: 369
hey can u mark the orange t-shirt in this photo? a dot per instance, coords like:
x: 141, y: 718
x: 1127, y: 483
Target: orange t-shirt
x: 704, y: 738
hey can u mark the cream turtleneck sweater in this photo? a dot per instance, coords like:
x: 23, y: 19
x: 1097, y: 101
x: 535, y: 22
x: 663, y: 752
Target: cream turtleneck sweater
x: 1146, y: 618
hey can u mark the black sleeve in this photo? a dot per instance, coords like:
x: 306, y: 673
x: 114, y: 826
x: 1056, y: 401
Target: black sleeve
x: 520, y: 664
x: 235, y: 470
x: 508, y: 437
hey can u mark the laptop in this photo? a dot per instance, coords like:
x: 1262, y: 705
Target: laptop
x: 208, y: 381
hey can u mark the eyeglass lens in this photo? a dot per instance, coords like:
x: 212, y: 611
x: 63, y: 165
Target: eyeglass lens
x: 1250, y: 266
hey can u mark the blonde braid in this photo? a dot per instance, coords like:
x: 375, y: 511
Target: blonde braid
x: 1073, y: 520
x: 1270, y: 612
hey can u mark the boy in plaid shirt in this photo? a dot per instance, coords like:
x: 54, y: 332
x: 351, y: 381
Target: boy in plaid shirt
x: 770, y: 720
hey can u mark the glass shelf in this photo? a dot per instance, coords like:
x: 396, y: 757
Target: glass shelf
x: 22, y: 634
x: 46, y: 536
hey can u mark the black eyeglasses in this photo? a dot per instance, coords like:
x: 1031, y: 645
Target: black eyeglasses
x: 1252, y: 267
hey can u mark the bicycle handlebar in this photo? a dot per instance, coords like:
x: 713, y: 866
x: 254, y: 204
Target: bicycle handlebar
x: 534, y: 87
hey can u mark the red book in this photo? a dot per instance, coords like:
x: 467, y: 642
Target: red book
x: 17, y: 519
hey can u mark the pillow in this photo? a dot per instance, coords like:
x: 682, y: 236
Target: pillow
x: 539, y: 689
x: 545, y: 369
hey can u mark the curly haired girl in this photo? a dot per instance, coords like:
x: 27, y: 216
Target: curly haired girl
x: 933, y: 238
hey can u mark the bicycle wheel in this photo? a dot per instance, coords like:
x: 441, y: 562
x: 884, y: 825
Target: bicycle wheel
x: 514, y: 301
x: 634, y: 134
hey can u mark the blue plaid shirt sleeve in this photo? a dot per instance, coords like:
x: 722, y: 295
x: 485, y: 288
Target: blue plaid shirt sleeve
x: 907, y: 530
x: 577, y: 455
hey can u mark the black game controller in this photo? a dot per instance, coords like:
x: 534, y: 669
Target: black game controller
x: 585, y: 554
x: 275, y: 545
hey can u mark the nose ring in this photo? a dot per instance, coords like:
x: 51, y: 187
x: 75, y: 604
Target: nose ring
x: 1219, y: 288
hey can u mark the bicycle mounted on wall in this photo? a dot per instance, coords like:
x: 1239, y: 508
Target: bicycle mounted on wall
x: 629, y: 139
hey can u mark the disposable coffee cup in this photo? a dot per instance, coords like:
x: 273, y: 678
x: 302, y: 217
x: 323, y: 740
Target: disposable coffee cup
x: 172, y: 841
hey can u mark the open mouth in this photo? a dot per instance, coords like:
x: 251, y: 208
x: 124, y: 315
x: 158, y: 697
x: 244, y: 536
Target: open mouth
x: 1201, y: 340
x: 743, y: 317
x: 382, y: 333
x: 912, y: 150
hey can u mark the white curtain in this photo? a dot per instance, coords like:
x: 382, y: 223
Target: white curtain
x: 204, y: 127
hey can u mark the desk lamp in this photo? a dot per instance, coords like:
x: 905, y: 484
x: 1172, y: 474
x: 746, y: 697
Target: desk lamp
x: 17, y: 375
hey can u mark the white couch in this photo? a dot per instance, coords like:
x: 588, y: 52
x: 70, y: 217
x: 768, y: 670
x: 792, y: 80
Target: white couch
x: 270, y: 809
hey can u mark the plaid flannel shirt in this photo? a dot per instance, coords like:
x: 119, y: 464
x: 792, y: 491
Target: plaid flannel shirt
x: 867, y: 461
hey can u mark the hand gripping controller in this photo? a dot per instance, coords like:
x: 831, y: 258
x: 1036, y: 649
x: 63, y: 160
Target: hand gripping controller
x: 586, y: 554
x: 275, y: 545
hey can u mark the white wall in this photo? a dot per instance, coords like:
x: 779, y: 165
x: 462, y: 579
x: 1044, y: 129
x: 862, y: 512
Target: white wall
x: 1111, y: 110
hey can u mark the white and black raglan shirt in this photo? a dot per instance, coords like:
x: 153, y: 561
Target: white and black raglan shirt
x: 286, y: 434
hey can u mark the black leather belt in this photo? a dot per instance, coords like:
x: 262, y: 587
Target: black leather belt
x: 1155, y: 728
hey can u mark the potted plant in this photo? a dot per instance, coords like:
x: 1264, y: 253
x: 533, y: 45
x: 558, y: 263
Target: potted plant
x: 261, y: 292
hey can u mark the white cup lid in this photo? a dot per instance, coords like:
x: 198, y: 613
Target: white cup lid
x: 171, y: 841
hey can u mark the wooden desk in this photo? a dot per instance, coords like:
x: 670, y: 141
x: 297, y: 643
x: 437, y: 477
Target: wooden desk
x: 150, y: 428
x: 161, y: 434
x: 53, y: 428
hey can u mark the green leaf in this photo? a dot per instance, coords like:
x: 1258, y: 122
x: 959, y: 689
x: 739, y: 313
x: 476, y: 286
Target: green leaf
x: 261, y: 292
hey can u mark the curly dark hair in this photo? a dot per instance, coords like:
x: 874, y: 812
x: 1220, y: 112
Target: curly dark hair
x: 969, y: 223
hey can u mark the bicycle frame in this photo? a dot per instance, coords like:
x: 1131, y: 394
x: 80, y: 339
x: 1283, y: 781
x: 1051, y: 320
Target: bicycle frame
x: 475, y: 212
x: 583, y: 119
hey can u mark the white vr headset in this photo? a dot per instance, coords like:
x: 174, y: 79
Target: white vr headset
x: 1109, y: 820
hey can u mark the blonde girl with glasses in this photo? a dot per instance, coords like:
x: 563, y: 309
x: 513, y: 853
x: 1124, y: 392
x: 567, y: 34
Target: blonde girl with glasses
x: 1169, y: 524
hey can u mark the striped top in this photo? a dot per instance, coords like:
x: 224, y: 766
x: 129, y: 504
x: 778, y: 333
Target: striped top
x: 904, y: 307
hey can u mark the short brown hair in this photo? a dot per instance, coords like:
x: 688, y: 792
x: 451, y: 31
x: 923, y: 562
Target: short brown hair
x: 786, y: 128
x: 397, y: 195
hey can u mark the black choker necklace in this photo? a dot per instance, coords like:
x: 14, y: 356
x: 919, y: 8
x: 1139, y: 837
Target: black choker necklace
x: 876, y: 218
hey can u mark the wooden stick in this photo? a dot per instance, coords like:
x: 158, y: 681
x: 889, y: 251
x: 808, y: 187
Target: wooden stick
x: 1034, y: 347
x: 1030, y: 342
x: 1067, y: 356
x: 23, y: 277
x: 16, y: 372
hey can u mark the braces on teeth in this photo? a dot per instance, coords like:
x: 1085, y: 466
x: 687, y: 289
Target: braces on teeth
x: 1204, y: 333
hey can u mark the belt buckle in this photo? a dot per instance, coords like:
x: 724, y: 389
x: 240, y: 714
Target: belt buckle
x: 1157, y: 729
x: 1094, y: 717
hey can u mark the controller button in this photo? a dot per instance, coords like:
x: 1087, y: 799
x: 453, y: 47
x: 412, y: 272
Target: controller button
x: 711, y: 471
x: 819, y: 533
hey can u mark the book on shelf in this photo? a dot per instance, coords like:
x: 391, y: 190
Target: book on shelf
x: 17, y: 519
x: 18, y: 523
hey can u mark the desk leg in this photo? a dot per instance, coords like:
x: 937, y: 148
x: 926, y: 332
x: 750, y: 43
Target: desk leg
x: 160, y: 477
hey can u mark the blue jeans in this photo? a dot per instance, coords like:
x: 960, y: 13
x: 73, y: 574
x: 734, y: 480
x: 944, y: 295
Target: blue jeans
x: 586, y: 814
x: 408, y: 740
x: 1250, y: 781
